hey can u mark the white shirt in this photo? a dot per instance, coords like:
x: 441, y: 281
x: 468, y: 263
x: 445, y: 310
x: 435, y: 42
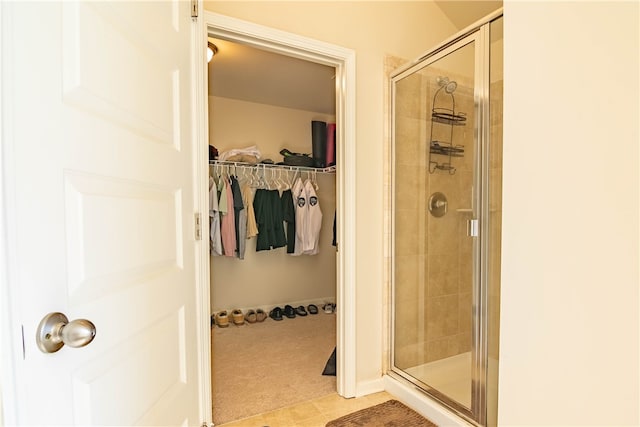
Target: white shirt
x: 314, y: 220
x: 308, y: 218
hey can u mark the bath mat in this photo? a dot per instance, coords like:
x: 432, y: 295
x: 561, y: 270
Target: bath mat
x: 330, y: 367
x: 388, y: 414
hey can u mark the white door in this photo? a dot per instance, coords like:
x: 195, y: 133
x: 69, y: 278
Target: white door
x: 98, y: 134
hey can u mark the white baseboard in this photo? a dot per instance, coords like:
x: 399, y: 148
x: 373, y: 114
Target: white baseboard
x: 369, y: 387
x: 422, y: 404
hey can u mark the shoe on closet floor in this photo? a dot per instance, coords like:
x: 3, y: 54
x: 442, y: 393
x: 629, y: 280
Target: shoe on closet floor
x: 300, y: 311
x: 222, y: 319
x: 328, y: 308
x: 238, y: 317
x: 260, y: 315
x: 312, y: 308
x: 289, y: 311
x: 276, y: 313
x: 251, y: 316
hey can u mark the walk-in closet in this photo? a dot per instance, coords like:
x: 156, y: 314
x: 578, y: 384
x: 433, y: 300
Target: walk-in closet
x: 272, y: 143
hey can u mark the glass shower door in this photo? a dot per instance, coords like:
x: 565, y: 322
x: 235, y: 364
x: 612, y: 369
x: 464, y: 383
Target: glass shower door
x: 436, y: 250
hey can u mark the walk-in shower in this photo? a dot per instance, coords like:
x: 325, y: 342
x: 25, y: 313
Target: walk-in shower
x: 446, y: 216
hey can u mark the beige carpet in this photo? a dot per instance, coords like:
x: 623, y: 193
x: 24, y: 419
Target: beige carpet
x: 260, y: 367
x: 388, y: 414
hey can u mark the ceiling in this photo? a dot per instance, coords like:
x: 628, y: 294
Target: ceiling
x: 245, y: 73
x: 464, y: 13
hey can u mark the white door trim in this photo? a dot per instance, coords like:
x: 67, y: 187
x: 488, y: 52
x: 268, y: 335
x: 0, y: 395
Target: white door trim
x: 344, y: 60
x: 201, y: 206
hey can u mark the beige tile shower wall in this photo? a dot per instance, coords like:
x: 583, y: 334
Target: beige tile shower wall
x: 409, y: 215
x: 432, y: 256
x: 449, y: 262
x: 267, y: 278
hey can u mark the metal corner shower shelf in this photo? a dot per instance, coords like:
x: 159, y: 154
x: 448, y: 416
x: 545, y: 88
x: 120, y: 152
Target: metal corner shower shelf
x: 448, y: 117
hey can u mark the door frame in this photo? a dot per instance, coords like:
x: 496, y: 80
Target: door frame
x: 475, y: 40
x: 344, y: 60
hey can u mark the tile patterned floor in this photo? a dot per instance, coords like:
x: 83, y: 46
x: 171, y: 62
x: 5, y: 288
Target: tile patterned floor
x: 313, y: 413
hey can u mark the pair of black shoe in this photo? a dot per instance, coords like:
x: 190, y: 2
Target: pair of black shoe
x: 290, y: 312
x: 276, y: 313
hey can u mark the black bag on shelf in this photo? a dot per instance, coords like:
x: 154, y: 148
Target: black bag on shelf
x: 296, y: 159
x: 319, y: 143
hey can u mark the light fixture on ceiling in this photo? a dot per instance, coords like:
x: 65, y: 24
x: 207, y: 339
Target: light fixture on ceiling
x: 212, y: 49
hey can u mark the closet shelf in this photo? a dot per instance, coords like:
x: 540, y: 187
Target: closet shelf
x: 264, y: 166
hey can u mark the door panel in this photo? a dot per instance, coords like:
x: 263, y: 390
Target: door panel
x: 96, y: 35
x: 99, y: 129
x: 165, y: 377
x: 100, y: 212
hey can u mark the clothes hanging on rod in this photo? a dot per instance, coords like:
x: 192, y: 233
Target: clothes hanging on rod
x: 238, y: 214
x: 227, y: 222
x: 240, y: 217
x: 214, y: 224
x: 247, y: 198
x: 289, y: 216
x: 268, y: 209
x: 334, y: 242
x: 308, y: 218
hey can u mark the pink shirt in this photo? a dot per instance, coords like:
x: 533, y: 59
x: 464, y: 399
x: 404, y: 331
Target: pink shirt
x: 228, y: 226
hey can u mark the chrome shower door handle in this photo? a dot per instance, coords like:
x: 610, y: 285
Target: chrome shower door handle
x: 55, y: 331
x: 472, y: 228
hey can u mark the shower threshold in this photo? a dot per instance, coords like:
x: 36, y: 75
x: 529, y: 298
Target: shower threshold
x: 450, y: 376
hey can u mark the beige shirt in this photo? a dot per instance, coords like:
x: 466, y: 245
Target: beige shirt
x: 247, y: 198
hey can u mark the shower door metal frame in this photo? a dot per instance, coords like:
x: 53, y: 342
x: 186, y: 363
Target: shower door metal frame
x: 477, y: 33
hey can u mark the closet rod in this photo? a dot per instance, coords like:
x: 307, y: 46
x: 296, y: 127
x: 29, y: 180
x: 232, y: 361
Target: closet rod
x: 330, y: 169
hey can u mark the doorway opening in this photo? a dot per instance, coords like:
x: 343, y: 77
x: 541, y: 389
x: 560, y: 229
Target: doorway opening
x: 336, y: 184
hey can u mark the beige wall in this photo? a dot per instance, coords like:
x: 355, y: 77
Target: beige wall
x: 265, y: 279
x: 405, y: 29
x: 237, y: 124
x: 569, y: 315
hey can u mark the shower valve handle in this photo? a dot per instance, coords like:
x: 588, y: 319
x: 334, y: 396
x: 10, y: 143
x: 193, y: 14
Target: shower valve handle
x: 438, y: 204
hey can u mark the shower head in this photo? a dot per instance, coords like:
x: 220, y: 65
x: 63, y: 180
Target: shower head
x: 450, y: 87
